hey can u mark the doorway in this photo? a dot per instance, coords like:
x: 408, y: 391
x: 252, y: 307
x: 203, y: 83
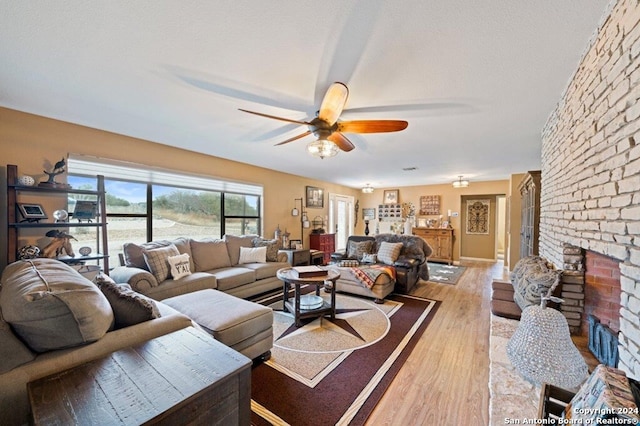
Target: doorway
x: 341, y: 218
x: 483, y: 226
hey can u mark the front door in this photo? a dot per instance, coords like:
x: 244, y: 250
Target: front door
x: 341, y: 216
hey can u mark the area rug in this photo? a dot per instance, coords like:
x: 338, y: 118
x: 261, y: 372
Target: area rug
x: 332, y: 372
x: 442, y: 273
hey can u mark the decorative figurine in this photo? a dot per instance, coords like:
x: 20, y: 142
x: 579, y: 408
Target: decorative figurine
x: 61, y: 243
x: 58, y: 169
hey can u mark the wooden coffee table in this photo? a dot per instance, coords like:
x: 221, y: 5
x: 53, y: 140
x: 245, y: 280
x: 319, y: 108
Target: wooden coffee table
x: 289, y: 277
x: 185, y: 377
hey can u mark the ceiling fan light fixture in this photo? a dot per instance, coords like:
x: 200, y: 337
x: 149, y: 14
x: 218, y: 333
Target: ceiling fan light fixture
x: 460, y: 183
x: 368, y: 189
x: 322, y: 148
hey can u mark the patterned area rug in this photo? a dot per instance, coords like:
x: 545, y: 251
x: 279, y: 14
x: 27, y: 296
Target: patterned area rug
x: 443, y: 273
x: 335, y: 371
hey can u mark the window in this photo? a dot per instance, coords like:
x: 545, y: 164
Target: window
x: 146, y: 204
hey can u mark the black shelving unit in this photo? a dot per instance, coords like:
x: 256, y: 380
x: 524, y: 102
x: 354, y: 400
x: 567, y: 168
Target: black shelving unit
x: 15, y: 191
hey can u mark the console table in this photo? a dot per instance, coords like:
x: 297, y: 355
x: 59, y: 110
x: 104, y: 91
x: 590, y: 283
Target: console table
x: 185, y: 377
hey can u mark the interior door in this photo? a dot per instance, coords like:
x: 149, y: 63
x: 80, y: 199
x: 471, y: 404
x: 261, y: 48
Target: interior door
x: 341, y: 216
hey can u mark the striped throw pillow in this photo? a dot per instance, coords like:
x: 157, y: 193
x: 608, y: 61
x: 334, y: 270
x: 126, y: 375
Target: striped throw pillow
x: 389, y: 252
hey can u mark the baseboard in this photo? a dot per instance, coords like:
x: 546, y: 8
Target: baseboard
x: 479, y: 259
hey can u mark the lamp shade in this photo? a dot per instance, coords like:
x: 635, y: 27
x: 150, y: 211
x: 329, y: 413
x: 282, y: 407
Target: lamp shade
x: 322, y: 148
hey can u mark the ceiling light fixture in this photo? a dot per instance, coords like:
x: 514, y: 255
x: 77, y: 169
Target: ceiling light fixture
x: 368, y: 189
x: 322, y: 148
x: 460, y: 183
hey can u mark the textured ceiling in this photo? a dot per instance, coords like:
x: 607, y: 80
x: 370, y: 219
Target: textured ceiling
x: 476, y: 80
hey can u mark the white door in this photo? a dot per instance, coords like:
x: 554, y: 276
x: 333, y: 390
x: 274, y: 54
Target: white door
x: 341, y: 216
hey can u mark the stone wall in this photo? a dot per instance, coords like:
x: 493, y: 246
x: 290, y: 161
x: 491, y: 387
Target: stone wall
x: 590, y: 193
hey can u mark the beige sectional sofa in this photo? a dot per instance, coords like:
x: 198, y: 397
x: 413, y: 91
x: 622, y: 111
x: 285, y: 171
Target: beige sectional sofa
x: 214, y: 264
x: 56, y: 320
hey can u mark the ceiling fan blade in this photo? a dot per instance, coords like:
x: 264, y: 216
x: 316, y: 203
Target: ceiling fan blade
x: 372, y: 126
x: 294, y: 138
x: 274, y: 117
x: 333, y: 102
x: 342, y: 141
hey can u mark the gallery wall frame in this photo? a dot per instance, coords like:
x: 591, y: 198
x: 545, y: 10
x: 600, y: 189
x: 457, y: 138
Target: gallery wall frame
x: 315, y: 197
x: 391, y: 196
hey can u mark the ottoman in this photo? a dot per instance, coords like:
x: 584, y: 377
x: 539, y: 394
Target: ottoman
x: 244, y: 326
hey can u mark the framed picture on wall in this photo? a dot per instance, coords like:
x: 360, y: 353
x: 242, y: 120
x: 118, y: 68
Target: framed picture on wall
x: 369, y: 214
x: 391, y: 196
x: 315, y: 197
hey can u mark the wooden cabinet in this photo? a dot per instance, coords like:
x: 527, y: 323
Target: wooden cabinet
x: 326, y: 243
x: 441, y: 242
x: 17, y: 194
x: 530, y: 214
x: 185, y: 377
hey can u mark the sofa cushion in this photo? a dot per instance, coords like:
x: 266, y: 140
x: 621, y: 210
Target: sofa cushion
x: 157, y: 260
x: 266, y: 270
x: 234, y: 243
x: 389, y: 252
x: 271, y: 245
x: 133, y: 253
x: 357, y: 249
x: 229, y: 278
x: 180, y: 265
x: 12, y: 351
x: 129, y: 307
x: 252, y: 255
x: 209, y: 254
x: 51, y: 306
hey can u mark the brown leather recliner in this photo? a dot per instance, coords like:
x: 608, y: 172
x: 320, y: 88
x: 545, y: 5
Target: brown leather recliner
x: 410, y: 266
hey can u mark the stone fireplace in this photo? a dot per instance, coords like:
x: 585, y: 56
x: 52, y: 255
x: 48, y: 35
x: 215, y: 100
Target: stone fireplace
x: 591, y: 175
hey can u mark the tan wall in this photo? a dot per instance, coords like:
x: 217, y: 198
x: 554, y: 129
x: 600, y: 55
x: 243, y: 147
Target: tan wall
x: 479, y: 246
x: 450, y: 199
x: 33, y: 143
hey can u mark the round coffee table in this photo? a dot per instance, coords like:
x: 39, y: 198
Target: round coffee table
x: 308, y: 306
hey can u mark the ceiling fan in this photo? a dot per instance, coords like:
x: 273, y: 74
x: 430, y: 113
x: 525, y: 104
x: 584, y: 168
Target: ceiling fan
x: 329, y: 130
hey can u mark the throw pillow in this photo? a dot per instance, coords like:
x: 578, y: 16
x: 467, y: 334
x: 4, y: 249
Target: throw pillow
x: 234, y: 243
x: 12, y: 351
x: 369, y: 258
x: 253, y: 255
x: 180, y: 266
x: 209, y: 254
x: 51, y: 306
x: 389, y: 252
x: 129, y: 307
x: 157, y: 260
x: 356, y: 250
x: 271, y: 245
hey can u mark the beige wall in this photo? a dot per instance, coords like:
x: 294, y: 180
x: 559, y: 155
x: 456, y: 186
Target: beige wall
x: 450, y: 199
x: 33, y: 143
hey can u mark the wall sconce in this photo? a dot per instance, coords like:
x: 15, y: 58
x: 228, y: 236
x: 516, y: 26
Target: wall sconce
x: 460, y: 183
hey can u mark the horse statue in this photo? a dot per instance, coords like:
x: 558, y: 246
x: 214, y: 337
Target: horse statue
x: 60, y: 244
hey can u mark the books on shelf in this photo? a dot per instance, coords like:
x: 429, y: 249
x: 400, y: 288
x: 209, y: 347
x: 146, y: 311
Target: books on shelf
x: 309, y: 271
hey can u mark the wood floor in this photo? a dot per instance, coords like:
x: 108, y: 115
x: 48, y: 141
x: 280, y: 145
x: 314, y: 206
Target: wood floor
x: 445, y: 381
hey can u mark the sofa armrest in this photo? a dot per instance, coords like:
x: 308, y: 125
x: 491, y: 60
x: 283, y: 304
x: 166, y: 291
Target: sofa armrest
x: 139, y: 279
x: 282, y: 257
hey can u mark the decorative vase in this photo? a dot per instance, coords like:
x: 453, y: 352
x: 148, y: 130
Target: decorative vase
x: 408, y: 226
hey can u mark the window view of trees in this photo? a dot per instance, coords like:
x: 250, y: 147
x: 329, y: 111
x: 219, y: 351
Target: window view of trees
x: 175, y: 212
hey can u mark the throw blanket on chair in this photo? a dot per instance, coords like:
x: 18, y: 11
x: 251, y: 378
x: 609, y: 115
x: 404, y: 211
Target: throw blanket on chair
x: 369, y: 274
